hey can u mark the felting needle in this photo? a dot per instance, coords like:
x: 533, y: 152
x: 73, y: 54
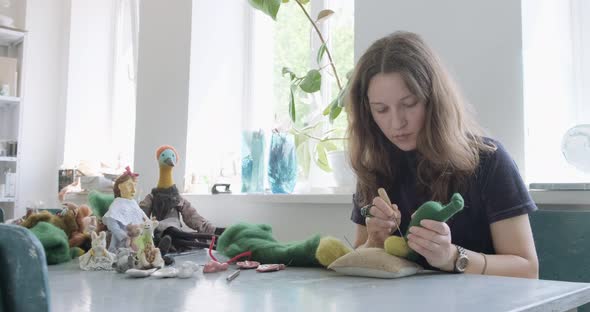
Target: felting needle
x: 350, y: 244
x: 383, y: 195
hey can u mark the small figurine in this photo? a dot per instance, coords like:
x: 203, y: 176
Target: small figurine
x: 133, y: 231
x: 125, y: 260
x: 98, y: 258
x: 148, y: 256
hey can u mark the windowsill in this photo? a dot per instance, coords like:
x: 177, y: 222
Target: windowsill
x: 580, y: 197
x: 540, y: 198
x: 339, y: 198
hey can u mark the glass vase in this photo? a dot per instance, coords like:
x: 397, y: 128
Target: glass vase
x: 253, y: 161
x: 282, y: 163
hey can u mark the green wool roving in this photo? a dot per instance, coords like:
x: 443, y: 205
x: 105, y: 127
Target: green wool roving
x: 433, y: 210
x: 258, y: 239
x: 100, y: 202
x: 54, y: 241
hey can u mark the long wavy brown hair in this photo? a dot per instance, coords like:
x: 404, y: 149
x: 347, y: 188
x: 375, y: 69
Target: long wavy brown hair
x: 449, y: 144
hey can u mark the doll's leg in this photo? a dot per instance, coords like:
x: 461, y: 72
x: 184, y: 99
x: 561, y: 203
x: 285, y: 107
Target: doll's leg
x: 188, y: 244
x: 164, y: 245
x: 180, y: 234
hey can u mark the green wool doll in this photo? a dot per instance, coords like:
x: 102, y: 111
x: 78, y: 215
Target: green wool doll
x: 319, y: 250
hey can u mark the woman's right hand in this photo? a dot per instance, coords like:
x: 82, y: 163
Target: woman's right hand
x: 382, y: 222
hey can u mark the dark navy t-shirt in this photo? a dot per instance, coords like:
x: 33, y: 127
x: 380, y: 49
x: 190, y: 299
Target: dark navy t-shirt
x: 494, y: 192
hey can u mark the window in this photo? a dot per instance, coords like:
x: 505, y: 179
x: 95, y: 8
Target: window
x: 124, y: 82
x: 259, y: 93
x: 101, y: 83
x: 556, y: 54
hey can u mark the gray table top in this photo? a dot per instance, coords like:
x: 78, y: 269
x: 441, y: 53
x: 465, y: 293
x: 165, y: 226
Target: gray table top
x: 304, y: 289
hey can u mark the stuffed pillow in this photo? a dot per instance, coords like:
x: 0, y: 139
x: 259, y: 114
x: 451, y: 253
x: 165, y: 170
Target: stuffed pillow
x: 374, y: 262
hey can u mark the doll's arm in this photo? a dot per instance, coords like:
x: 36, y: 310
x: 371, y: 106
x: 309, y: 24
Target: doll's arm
x: 194, y: 220
x: 116, y: 228
x: 146, y: 205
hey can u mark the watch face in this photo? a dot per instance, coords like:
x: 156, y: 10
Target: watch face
x: 462, y: 263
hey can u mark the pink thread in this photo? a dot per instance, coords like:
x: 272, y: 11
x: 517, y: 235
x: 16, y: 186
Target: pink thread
x: 243, y: 254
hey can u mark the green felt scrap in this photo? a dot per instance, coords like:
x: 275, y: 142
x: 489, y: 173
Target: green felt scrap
x: 54, y: 241
x: 265, y: 249
x: 100, y: 202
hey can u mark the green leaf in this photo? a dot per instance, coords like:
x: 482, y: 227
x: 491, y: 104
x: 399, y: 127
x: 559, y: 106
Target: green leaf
x: 330, y: 146
x: 285, y: 1
x: 321, y: 52
x: 341, y: 96
x: 268, y: 7
x: 323, y: 15
x: 300, y: 138
x: 312, y: 81
x: 303, y: 156
x: 322, y: 157
x: 329, y: 107
x: 287, y: 70
x: 292, y: 106
x: 334, y: 112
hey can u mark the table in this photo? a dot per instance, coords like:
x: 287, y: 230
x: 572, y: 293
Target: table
x: 304, y: 289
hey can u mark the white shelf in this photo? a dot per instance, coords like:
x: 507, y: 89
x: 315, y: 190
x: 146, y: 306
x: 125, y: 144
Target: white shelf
x: 6, y: 199
x: 7, y: 101
x: 4, y: 158
x: 11, y: 36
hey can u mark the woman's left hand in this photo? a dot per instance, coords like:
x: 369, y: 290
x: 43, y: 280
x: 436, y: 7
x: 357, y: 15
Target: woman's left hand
x: 433, y: 241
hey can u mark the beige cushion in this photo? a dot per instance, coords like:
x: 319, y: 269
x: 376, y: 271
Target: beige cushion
x: 374, y: 262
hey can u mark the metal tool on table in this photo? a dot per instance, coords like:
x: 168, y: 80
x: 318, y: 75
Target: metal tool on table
x: 232, y: 276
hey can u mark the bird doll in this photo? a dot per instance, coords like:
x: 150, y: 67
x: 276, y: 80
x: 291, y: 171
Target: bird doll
x: 166, y: 205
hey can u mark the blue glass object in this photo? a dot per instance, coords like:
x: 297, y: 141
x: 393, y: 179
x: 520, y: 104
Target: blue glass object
x: 282, y: 163
x: 253, y: 161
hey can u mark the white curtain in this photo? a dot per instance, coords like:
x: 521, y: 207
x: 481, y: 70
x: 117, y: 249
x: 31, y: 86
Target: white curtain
x: 556, y: 78
x: 124, y: 78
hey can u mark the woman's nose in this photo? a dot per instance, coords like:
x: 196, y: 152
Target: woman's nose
x: 398, y: 120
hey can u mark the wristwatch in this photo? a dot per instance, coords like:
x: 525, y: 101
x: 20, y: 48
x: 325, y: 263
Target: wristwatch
x: 462, y: 260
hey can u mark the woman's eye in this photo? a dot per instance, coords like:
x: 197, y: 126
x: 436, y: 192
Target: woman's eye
x: 412, y: 104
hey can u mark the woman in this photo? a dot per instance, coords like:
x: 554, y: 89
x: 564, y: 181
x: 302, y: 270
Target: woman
x: 410, y: 132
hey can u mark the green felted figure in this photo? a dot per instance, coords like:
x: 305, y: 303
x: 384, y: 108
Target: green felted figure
x: 54, y: 241
x: 431, y: 210
x: 258, y: 239
x: 100, y: 203
x: 318, y: 250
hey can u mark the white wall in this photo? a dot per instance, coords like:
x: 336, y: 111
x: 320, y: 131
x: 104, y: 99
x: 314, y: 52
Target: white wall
x: 291, y: 220
x: 41, y: 136
x: 479, y: 41
x: 162, y: 86
x: 89, y: 81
